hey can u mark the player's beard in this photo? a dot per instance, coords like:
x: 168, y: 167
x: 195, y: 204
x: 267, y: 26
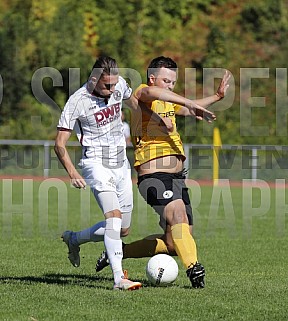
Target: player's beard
x: 101, y: 96
x: 91, y: 88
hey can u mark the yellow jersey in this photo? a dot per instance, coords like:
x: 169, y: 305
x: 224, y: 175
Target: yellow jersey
x: 148, y: 139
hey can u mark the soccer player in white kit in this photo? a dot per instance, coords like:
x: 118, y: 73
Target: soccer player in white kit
x: 94, y: 112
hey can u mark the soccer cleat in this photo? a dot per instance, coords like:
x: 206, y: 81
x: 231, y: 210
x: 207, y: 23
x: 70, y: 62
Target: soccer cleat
x: 196, y: 275
x: 73, y: 250
x: 126, y: 284
x: 102, y: 262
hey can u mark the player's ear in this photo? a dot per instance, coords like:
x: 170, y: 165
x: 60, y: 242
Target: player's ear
x: 152, y: 79
x: 93, y: 80
x: 91, y: 83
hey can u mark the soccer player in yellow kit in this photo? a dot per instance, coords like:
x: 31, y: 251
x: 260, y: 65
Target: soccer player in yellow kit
x: 159, y: 163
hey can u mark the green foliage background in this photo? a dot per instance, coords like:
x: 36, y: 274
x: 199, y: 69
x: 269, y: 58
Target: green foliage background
x: 198, y: 34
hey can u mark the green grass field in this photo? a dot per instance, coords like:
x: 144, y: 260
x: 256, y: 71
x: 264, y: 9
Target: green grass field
x: 240, y: 233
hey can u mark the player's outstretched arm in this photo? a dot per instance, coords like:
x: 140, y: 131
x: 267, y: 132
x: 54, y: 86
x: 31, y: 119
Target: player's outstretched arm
x: 207, y: 101
x: 220, y: 93
x: 149, y: 94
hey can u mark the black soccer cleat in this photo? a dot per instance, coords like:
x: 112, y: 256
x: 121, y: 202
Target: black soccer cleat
x: 102, y: 262
x: 196, y: 275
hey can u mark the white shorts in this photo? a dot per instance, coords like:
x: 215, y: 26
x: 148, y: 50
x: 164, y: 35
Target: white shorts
x: 112, y: 187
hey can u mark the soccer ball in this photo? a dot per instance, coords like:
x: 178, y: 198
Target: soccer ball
x: 161, y: 270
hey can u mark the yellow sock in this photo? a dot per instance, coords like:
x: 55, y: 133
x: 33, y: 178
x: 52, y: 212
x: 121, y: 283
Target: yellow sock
x: 184, y: 244
x: 144, y: 248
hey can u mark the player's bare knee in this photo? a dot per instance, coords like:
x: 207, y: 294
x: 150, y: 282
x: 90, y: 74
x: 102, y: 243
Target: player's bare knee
x: 175, y: 212
x: 113, y: 213
x: 180, y: 217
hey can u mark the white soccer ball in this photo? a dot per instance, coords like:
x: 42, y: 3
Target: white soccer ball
x: 161, y: 270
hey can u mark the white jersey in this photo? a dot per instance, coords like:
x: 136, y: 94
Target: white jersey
x: 97, y: 122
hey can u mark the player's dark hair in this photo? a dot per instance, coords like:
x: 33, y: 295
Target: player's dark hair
x: 105, y: 65
x: 160, y: 62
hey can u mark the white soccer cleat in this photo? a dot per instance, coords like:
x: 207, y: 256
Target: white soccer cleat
x: 73, y: 250
x: 126, y: 284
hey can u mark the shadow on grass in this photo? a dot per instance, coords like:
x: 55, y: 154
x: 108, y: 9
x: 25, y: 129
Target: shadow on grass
x: 64, y: 279
x: 60, y: 279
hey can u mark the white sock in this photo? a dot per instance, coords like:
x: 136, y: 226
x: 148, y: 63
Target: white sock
x: 94, y: 233
x: 113, y: 245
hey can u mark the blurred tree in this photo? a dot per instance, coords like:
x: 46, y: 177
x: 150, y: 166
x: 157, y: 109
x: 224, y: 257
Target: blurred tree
x: 266, y: 19
x: 199, y: 34
x: 36, y: 34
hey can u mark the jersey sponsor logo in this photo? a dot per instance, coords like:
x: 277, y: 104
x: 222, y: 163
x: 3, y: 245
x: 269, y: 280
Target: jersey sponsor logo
x: 117, y: 95
x: 167, y: 194
x: 107, y: 115
x: 170, y: 113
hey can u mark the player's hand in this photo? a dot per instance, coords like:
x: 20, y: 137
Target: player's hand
x: 78, y: 182
x: 201, y: 113
x: 221, y: 91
